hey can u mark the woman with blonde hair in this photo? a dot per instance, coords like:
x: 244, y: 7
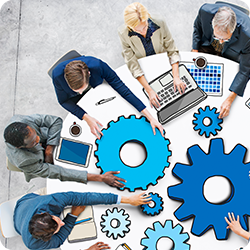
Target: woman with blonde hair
x: 143, y: 35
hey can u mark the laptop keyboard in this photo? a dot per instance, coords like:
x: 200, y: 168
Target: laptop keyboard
x: 167, y: 93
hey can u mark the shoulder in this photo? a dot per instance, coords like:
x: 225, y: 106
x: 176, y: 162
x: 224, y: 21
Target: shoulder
x: 157, y: 19
x: 209, y: 9
x: 123, y: 30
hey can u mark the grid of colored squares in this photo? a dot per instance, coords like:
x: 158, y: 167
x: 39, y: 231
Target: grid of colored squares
x: 208, y: 79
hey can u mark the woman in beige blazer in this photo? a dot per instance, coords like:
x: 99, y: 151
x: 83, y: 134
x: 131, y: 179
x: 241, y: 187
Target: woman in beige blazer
x: 143, y: 35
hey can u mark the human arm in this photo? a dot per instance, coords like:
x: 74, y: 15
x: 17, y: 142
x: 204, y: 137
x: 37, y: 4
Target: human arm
x: 197, y: 32
x: 226, y: 105
x: 64, y: 94
x: 109, y: 178
x: 48, y: 158
x: 116, y: 83
x: 153, y: 97
x: 35, y: 167
x: 128, y: 53
x: 93, y: 125
x: 137, y: 199
x: 235, y: 226
x: 98, y: 246
x: 178, y: 83
x: 153, y: 122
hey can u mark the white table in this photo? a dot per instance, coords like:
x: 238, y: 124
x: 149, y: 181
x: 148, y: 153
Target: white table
x: 181, y: 134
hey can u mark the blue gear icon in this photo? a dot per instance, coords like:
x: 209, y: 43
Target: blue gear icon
x: 211, y: 128
x: 136, y: 130
x: 175, y: 234
x: 122, y: 223
x: 190, y: 191
x: 156, y: 209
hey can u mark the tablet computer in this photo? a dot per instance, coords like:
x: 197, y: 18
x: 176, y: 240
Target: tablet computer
x: 74, y: 152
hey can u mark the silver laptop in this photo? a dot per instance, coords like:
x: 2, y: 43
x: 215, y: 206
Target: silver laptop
x: 172, y: 102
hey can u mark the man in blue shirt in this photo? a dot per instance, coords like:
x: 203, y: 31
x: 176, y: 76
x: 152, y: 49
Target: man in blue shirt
x: 36, y: 218
x: 72, y: 77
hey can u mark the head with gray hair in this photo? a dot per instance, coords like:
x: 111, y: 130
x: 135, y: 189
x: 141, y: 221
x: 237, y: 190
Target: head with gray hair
x: 224, y: 20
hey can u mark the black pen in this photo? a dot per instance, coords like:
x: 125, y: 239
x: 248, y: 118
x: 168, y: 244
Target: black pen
x: 105, y: 100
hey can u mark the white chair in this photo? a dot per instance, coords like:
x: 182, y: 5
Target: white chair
x: 6, y: 218
x: 11, y: 167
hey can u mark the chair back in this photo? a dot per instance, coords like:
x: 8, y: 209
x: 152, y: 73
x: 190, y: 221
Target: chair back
x: 12, y: 167
x: 6, y: 218
x: 69, y: 55
x: 244, y: 10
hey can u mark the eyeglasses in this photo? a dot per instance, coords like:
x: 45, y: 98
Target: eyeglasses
x: 221, y: 39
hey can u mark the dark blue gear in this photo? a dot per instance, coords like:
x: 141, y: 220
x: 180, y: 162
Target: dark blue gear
x: 159, y: 231
x: 211, y: 128
x: 122, y: 223
x: 190, y: 191
x: 137, y: 130
x: 156, y: 209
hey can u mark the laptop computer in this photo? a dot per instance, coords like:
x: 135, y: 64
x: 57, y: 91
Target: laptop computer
x: 173, y: 104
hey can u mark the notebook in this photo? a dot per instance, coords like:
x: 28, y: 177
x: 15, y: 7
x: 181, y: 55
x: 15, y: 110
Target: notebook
x: 85, y: 230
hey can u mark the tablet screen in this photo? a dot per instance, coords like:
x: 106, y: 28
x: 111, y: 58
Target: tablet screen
x: 74, y: 152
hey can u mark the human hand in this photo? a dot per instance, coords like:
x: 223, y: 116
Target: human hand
x: 225, y: 108
x: 226, y: 105
x: 180, y: 85
x: 99, y: 245
x: 234, y: 225
x: 93, y: 124
x: 137, y: 199
x: 76, y: 210
x: 194, y: 50
x: 110, y: 179
x: 154, y: 99
x: 155, y: 124
x: 49, y: 154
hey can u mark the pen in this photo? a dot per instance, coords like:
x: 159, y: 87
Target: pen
x: 105, y: 100
x: 84, y: 220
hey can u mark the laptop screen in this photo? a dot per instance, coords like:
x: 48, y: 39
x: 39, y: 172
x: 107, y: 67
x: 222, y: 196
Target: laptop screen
x: 74, y: 152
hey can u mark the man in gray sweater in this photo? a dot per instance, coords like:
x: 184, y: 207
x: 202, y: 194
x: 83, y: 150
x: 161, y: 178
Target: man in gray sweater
x: 30, y: 141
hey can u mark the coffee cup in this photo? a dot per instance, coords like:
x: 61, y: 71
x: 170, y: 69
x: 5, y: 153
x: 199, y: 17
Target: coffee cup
x: 75, y: 129
x: 200, y: 62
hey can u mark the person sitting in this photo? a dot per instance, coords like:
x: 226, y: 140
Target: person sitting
x: 36, y: 218
x: 30, y: 141
x: 143, y: 35
x: 224, y: 31
x: 72, y: 77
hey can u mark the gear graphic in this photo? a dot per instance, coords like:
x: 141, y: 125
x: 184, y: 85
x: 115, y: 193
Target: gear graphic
x: 138, y: 130
x: 190, y: 191
x: 175, y: 234
x: 122, y: 223
x: 156, y: 209
x: 212, y: 116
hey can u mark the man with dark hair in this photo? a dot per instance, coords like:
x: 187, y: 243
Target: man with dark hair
x: 36, y: 218
x: 73, y: 77
x: 223, y: 30
x: 30, y: 141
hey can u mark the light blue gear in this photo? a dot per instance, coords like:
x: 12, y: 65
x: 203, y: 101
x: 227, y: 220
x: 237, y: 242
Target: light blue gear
x: 214, y: 125
x: 159, y: 231
x: 190, y: 191
x: 146, y: 209
x: 137, y: 130
x: 122, y: 224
